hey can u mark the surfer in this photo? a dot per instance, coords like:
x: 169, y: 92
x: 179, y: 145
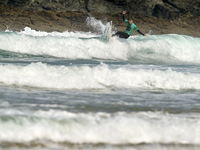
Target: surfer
x: 130, y: 27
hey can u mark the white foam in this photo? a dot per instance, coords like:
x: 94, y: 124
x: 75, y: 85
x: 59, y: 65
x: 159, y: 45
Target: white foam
x: 70, y: 47
x: 118, y: 128
x: 99, y: 77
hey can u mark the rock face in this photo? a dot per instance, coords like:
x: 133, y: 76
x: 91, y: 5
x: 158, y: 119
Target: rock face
x: 171, y: 9
x: 167, y: 9
x: 162, y: 16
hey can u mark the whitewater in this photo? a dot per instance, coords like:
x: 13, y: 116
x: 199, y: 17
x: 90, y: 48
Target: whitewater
x: 76, y: 91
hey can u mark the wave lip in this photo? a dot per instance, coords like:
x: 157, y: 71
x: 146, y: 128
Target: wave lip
x: 164, y: 48
x: 41, y: 75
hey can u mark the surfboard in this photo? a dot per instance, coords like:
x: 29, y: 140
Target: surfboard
x: 107, y: 31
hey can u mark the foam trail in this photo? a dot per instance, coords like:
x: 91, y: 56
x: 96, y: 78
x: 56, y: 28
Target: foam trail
x: 99, y: 77
x: 29, y: 31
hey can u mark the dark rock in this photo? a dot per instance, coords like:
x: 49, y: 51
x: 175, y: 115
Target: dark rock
x: 139, y: 7
x: 175, y: 5
x: 161, y: 12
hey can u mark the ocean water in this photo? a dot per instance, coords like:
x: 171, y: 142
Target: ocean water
x: 75, y: 91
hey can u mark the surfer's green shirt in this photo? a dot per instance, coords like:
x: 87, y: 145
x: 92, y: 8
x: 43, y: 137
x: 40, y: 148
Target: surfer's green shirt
x: 130, y: 27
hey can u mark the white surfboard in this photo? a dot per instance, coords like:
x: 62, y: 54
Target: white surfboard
x: 107, y: 31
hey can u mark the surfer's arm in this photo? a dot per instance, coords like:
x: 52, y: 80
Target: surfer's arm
x: 140, y: 32
x: 123, y: 17
x: 123, y: 13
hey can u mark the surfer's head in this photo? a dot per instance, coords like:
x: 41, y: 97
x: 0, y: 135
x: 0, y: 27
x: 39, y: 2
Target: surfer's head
x: 130, y: 20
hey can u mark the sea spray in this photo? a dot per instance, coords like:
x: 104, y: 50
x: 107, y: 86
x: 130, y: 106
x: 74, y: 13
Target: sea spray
x: 97, y: 25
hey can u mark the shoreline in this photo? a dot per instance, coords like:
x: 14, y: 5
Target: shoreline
x: 16, y: 19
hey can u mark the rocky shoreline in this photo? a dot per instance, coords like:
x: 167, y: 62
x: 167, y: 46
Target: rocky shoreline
x: 161, y: 21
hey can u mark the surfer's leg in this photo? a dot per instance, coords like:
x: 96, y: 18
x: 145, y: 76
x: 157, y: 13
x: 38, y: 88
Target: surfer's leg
x: 124, y: 35
x: 121, y: 34
x: 117, y: 34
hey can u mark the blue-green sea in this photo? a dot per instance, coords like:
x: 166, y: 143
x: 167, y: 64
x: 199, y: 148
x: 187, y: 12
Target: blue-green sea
x: 76, y: 91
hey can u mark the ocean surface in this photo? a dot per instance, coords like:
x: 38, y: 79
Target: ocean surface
x: 75, y: 91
